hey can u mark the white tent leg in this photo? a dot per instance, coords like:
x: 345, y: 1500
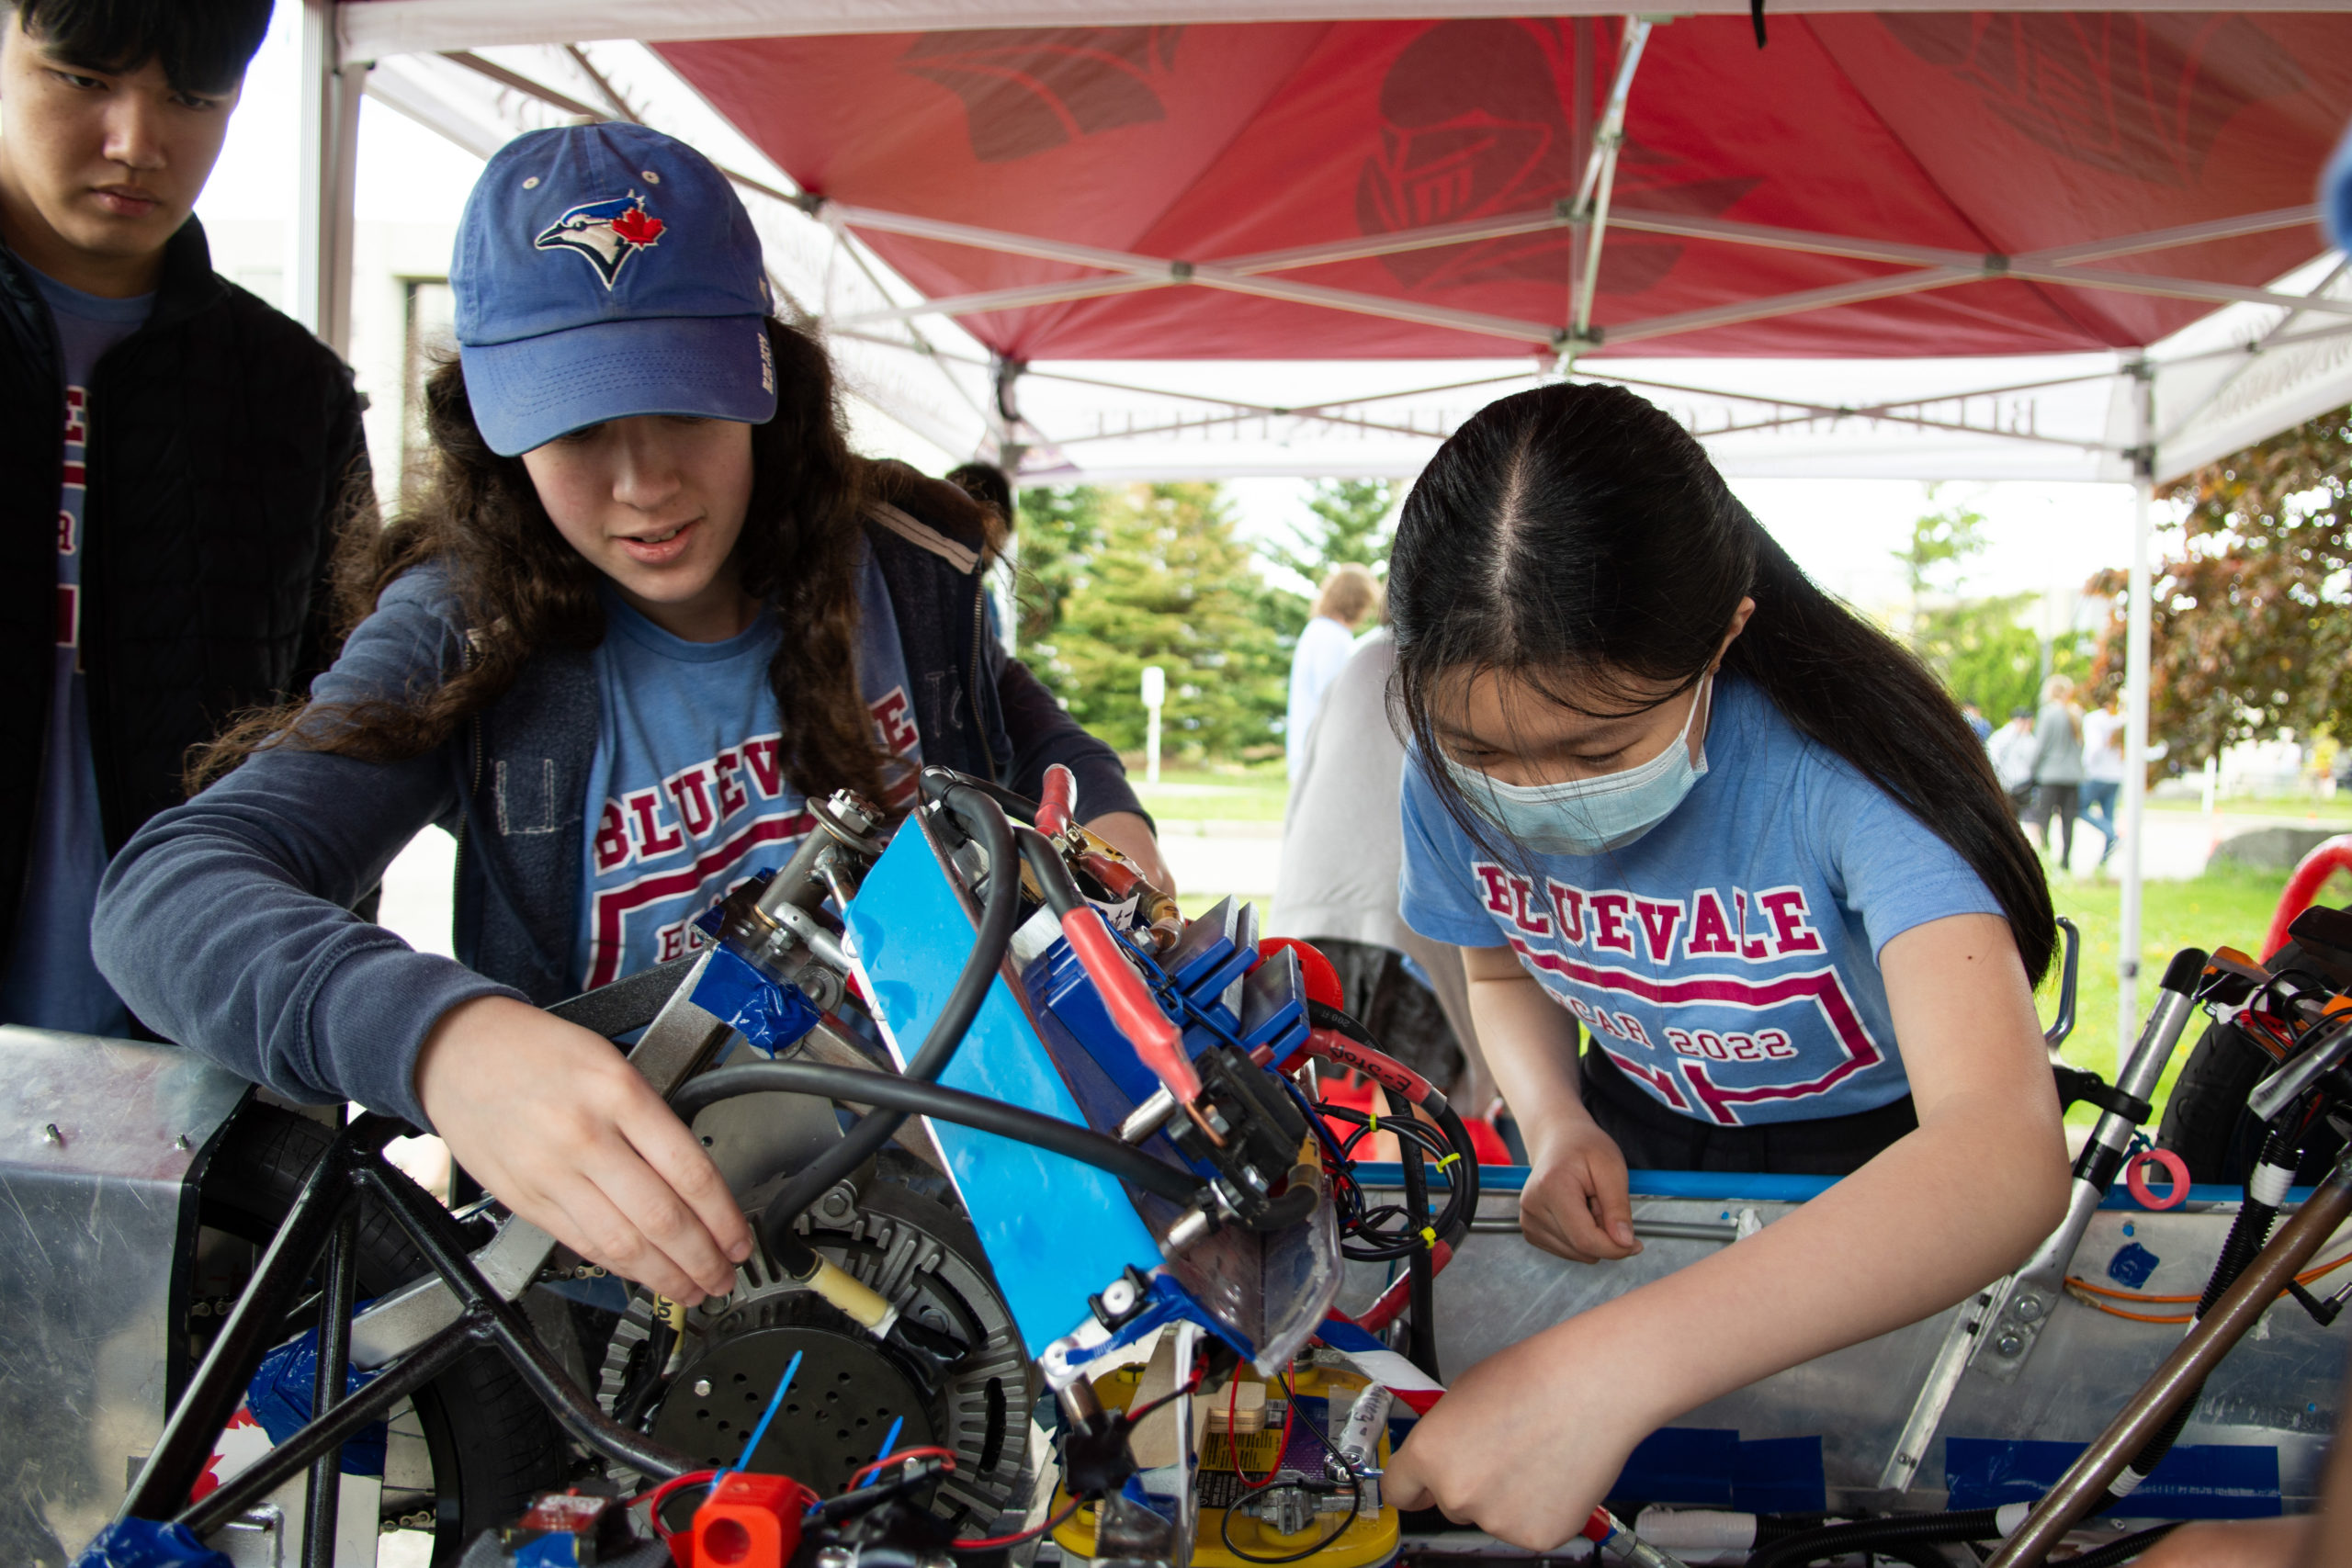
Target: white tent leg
x: 2135, y: 705
x: 319, y: 282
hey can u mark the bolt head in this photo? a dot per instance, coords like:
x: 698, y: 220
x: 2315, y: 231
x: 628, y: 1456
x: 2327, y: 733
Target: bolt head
x: 2010, y: 1344
x: 702, y: 1388
x: 1119, y: 1295
x: 2027, y: 1308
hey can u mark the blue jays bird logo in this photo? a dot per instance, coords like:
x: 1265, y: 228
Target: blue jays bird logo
x: 604, y: 234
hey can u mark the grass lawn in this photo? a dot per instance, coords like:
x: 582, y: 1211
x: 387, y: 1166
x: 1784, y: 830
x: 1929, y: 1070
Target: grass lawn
x: 2335, y: 808
x: 1253, y: 794
x: 2230, y: 905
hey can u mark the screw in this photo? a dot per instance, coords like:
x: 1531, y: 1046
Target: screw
x: 50, y: 1135
x: 702, y: 1388
x: 182, y: 1143
x: 2010, y: 1344
x: 1118, y: 1296
x: 2027, y: 1308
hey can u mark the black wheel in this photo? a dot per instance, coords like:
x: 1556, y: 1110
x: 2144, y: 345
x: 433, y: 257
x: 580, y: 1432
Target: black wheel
x: 473, y: 1446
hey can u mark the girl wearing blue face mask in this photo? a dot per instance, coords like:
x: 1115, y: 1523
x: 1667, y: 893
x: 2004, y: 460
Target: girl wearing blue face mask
x: 1670, y: 799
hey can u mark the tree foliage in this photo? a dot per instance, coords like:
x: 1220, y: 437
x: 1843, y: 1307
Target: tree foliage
x: 1980, y: 649
x: 2251, y: 618
x: 1116, y: 578
x: 1351, y: 528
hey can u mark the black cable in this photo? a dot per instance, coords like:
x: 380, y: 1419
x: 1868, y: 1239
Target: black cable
x: 1387, y: 1245
x: 1420, y: 1327
x: 999, y: 913
x: 910, y: 1095
x: 1355, y: 1501
x: 1462, y: 1173
x: 1880, y: 1535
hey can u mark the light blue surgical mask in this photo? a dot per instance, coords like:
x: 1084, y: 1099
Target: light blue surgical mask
x: 1591, y: 817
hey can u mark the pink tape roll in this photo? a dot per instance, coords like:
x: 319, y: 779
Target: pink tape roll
x: 2135, y: 1177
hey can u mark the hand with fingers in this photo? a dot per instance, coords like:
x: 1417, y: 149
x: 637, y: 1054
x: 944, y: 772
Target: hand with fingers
x: 557, y: 1126
x: 1526, y: 1444
x: 1576, y: 1204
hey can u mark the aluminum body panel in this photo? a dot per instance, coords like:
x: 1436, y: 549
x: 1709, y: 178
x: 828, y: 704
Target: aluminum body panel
x: 92, y: 1220
x: 2280, y: 1388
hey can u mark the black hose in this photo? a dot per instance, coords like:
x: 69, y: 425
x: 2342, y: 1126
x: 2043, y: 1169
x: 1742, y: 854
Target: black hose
x: 1420, y: 1327
x: 905, y: 1096
x: 1883, y: 1535
x: 999, y: 913
x: 1461, y: 1204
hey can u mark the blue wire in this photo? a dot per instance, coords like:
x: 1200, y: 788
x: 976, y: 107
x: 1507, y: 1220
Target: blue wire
x: 889, y: 1447
x: 762, y: 1429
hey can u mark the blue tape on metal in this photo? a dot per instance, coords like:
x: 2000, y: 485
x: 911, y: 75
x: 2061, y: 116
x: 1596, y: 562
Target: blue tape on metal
x: 2197, y: 1481
x: 771, y: 1014
x: 1682, y: 1464
x: 2131, y: 1265
x: 279, y: 1398
x: 143, y: 1543
x: 1778, y: 1475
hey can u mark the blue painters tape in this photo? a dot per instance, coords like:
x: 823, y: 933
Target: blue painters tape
x: 279, y: 1398
x: 1710, y: 1467
x: 768, y: 1013
x: 2197, y: 1481
x: 1780, y: 1475
x: 143, y: 1543
x: 2131, y: 1265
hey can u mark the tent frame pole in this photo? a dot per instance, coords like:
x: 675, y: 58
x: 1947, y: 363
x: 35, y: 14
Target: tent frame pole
x: 318, y: 291
x: 2138, y: 630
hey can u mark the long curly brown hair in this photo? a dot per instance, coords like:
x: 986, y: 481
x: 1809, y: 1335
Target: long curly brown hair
x: 522, y: 590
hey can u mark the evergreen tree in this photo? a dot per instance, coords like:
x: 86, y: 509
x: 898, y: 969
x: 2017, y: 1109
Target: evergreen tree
x: 1061, y: 530
x: 1351, y: 528
x: 1168, y: 583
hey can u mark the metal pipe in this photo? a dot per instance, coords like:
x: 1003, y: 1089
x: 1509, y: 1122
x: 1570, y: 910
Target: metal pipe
x: 2176, y: 1381
x: 1601, y: 177
x: 322, y: 1508
x: 218, y: 1386
x: 502, y: 1321
x: 287, y: 1460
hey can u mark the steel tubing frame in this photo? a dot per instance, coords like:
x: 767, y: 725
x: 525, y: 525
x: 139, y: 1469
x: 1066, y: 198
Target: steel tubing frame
x: 323, y: 1227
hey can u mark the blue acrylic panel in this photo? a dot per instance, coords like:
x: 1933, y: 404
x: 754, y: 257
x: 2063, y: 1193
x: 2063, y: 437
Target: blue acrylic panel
x: 1691, y: 1465
x: 2197, y: 1481
x: 1055, y: 1231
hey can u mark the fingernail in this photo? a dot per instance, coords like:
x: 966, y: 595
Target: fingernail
x: 1623, y: 1232
x: 740, y: 1251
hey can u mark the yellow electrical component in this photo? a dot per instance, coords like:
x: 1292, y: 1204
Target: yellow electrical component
x: 1364, y: 1542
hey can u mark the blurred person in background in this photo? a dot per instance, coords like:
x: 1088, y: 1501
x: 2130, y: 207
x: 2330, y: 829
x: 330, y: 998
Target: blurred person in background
x: 2103, y: 768
x: 1343, y: 846
x: 2057, y: 768
x: 2011, y: 751
x: 1350, y: 594
x: 180, y: 457
x: 1981, y: 727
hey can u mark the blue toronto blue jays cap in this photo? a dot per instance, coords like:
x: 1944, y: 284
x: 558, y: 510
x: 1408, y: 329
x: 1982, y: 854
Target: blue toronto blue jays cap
x: 603, y: 271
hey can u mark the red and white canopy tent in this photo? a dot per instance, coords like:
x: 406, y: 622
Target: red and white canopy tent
x: 2060, y: 242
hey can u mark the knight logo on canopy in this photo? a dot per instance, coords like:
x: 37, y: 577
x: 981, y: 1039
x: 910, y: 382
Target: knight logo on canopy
x: 604, y: 233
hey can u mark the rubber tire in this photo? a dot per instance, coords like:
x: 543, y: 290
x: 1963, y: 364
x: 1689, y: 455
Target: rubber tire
x: 482, y: 1423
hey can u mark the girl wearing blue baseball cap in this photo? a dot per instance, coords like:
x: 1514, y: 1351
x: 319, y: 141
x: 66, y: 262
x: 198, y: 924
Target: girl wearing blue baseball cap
x: 1666, y: 793
x: 649, y: 606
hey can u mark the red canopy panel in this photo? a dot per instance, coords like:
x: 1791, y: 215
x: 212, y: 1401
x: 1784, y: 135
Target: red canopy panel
x: 1979, y: 132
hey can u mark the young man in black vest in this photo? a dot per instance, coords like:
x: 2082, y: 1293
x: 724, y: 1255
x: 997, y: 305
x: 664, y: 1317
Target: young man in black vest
x: 178, y: 459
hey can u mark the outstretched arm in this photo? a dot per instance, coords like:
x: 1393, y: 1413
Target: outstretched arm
x: 1957, y: 1202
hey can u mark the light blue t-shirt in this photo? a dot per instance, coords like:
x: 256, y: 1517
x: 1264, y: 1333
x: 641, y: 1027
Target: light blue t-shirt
x: 1727, y: 960
x: 51, y: 980
x: 686, y: 792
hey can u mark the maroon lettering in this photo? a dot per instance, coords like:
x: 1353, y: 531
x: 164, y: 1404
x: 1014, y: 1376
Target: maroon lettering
x: 1749, y: 947
x: 1658, y: 917
x: 1568, y: 903
x: 1630, y: 1028
x: 891, y: 722
x: 767, y: 769
x: 1785, y: 905
x: 1710, y: 931
x: 612, y: 838
x: 727, y: 768
x: 690, y: 788
x: 1498, y: 885
x: 1609, y: 922
x: 1525, y: 912
x: 654, y: 837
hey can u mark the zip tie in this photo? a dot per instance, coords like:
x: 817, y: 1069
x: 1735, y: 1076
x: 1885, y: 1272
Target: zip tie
x: 1428, y: 1237
x: 1371, y: 1121
x: 1449, y: 1159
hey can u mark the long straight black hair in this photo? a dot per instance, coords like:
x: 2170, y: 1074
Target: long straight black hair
x: 1578, y: 540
